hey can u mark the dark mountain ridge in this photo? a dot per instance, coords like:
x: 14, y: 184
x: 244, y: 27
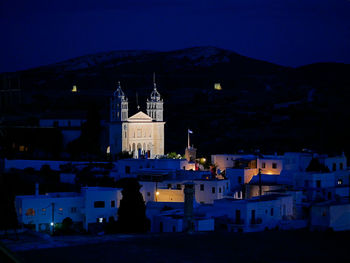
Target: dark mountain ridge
x: 261, y: 104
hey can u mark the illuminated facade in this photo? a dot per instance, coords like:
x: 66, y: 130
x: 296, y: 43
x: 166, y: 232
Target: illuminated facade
x: 141, y: 134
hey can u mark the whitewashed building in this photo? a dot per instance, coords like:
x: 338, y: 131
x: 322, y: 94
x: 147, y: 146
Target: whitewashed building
x: 206, y: 190
x: 92, y: 205
x: 331, y: 215
x: 251, y: 215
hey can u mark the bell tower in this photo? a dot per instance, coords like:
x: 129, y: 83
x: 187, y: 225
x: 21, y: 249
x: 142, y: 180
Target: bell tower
x: 155, y: 104
x: 119, y: 106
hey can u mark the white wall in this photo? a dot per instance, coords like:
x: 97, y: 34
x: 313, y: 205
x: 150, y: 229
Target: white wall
x: 224, y: 161
x: 105, y: 194
x: 37, y: 164
x: 49, y: 209
x: 149, y: 189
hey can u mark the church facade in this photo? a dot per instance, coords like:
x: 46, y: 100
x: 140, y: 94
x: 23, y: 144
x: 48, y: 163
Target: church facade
x: 141, y: 134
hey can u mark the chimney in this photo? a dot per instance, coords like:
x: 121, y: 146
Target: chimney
x: 36, y: 189
x: 188, y: 221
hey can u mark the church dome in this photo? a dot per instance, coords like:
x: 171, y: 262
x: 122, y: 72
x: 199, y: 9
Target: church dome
x: 119, y: 93
x: 155, y: 96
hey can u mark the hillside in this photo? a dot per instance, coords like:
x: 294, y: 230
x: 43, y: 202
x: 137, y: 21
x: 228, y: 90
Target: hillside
x: 261, y: 105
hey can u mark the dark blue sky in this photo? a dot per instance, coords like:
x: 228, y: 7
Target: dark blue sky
x: 287, y: 32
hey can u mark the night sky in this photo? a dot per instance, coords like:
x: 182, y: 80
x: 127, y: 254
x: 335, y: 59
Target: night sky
x: 287, y: 32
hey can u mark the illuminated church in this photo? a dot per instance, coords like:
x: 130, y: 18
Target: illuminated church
x: 141, y: 134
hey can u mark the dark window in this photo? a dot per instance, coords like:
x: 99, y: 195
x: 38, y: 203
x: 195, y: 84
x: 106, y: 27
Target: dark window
x: 202, y: 187
x: 271, y: 212
x: 341, y: 166
x: 213, y: 190
x: 99, y: 204
x: 263, y: 165
x: 239, y: 179
x: 219, y: 189
x: 238, y: 216
x: 148, y: 194
x: 127, y: 169
x: 174, y: 228
x: 178, y: 186
x: 73, y: 210
x: 169, y: 186
x: 329, y: 195
x: 274, y: 165
x: 334, y: 166
x: 113, y: 203
x: 55, y: 124
x: 318, y: 183
x: 306, y: 183
x: 253, y: 217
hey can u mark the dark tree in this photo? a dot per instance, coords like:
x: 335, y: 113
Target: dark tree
x: 89, y: 141
x: 67, y: 225
x: 132, y: 211
x: 8, y: 218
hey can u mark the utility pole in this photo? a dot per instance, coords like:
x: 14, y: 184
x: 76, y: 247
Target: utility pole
x: 260, y: 186
x: 53, y: 218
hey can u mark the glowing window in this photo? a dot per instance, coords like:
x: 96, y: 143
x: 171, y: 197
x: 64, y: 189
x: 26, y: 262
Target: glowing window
x: 30, y: 212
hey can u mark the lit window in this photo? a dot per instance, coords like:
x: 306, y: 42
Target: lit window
x: 30, y: 212
x: 217, y: 86
x: 340, y: 181
x: 21, y: 148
